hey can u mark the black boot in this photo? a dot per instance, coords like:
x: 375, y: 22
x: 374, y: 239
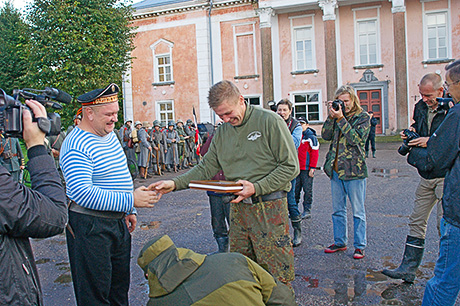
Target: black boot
x: 367, y: 154
x: 297, y: 226
x: 373, y: 154
x: 412, y: 258
x: 222, y: 244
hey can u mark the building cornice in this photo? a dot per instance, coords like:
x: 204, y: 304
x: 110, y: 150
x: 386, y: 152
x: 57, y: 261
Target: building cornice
x: 181, y: 7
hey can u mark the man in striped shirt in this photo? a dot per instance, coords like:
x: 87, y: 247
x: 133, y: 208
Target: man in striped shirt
x: 101, y: 213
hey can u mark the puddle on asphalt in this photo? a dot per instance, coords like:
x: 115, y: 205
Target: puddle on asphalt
x: 387, y: 173
x: 42, y: 261
x: 367, y: 287
x: 150, y: 225
x: 64, y: 279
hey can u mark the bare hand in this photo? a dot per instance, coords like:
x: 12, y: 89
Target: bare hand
x: 33, y: 136
x: 55, y: 153
x: 332, y: 112
x: 311, y: 173
x: 163, y: 187
x: 419, y: 142
x: 131, y: 221
x: 402, y: 133
x: 248, y: 190
x: 144, y: 197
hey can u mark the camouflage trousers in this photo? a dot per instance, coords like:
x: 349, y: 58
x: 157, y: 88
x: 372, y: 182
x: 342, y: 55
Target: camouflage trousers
x: 261, y: 232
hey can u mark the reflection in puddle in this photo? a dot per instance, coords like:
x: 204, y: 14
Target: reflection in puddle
x: 389, y: 173
x: 64, y: 278
x: 42, y: 261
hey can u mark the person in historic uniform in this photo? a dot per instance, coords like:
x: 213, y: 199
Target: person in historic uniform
x: 11, y: 156
x: 172, y: 139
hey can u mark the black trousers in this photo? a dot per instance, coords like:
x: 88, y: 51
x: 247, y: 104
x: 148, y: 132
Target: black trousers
x: 99, y: 259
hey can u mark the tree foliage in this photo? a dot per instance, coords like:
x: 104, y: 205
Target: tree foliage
x: 79, y: 45
x: 14, y: 39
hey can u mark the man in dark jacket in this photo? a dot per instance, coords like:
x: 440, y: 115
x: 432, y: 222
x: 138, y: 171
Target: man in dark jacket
x: 371, y: 138
x: 24, y: 213
x: 442, y: 153
x: 429, y: 191
x: 182, y: 277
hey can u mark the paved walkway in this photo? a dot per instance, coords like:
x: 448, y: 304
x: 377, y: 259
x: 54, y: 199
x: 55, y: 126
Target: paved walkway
x: 321, y: 279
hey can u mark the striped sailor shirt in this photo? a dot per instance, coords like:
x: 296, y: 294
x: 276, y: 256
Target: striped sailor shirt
x: 96, y: 173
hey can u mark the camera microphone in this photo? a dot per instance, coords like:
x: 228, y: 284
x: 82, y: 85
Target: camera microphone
x: 58, y: 95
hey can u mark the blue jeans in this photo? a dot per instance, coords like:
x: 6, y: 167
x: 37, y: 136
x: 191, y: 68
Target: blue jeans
x: 356, y: 192
x: 220, y: 214
x: 293, y: 208
x: 443, y: 288
x: 305, y: 182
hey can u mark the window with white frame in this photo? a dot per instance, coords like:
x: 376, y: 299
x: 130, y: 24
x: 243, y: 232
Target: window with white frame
x: 162, y: 61
x: 436, y: 35
x: 165, y: 111
x: 164, y: 68
x: 367, y: 42
x: 252, y: 100
x: 303, y: 48
x: 307, y: 105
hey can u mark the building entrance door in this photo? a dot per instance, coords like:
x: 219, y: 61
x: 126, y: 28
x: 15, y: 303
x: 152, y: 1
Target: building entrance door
x: 371, y: 100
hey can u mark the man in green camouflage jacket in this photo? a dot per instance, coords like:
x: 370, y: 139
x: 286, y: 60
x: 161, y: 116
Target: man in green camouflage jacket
x: 347, y: 127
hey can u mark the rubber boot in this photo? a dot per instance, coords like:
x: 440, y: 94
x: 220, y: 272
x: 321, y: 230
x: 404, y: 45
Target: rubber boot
x: 297, y: 226
x: 373, y: 154
x: 222, y: 244
x: 412, y: 258
x: 367, y: 154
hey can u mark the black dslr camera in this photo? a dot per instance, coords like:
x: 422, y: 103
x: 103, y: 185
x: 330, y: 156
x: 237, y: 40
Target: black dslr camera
x: 11, y: 110
x: 338, y: 104
x: 443, y: 104
x: 405, y: 148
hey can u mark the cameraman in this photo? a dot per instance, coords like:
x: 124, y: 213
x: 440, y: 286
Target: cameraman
x: 427, y: 118
x: 25, y: 213
x: 441, y: 154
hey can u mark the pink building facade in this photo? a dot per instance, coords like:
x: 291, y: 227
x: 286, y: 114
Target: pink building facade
x: 298, y: 49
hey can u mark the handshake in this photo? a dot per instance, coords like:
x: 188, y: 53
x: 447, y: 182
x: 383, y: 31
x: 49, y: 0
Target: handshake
x: 145, y: 197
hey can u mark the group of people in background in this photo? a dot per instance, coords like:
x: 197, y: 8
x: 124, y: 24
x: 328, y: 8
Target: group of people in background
x: 160, y: 148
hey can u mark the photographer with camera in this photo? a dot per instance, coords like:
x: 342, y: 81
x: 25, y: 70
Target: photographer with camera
x: 26, y: 213
x: 347, y: 127
x: 427, y: 118
x: 442, y: 154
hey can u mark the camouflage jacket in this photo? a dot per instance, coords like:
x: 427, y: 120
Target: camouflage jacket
x: 350, y: 134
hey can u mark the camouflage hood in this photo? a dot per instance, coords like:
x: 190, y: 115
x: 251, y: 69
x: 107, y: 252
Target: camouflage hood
x: 167, y: 266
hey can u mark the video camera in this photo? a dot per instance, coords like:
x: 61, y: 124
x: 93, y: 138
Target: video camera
x: 11, y: 110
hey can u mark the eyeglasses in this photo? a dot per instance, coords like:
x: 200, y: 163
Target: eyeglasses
x: 447, y: 85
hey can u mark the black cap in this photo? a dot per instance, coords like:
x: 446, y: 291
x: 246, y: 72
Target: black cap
x: 302, y: 120
x: 105, y: 95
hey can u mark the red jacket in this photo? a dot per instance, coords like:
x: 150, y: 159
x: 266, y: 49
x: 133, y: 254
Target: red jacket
x: 308, y: 151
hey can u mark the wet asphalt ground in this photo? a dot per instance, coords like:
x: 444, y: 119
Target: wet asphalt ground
x: 321, y: 279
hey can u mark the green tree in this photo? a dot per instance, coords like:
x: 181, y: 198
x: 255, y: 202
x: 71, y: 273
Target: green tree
x: 14, y: 39
x: 79, y: 45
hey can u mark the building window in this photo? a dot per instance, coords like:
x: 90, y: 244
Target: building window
x: 165, y: 111
x: 307, y: 105
x: 164, y: 68
x: 367, y: 42
x: 255, y: 101
x: 245, y: 49
x: 303, y: 48
x: 162, y: 62
x: 436, y: 35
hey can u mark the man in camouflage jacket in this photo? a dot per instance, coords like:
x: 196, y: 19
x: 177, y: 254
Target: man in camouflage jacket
x: 347, y: 127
